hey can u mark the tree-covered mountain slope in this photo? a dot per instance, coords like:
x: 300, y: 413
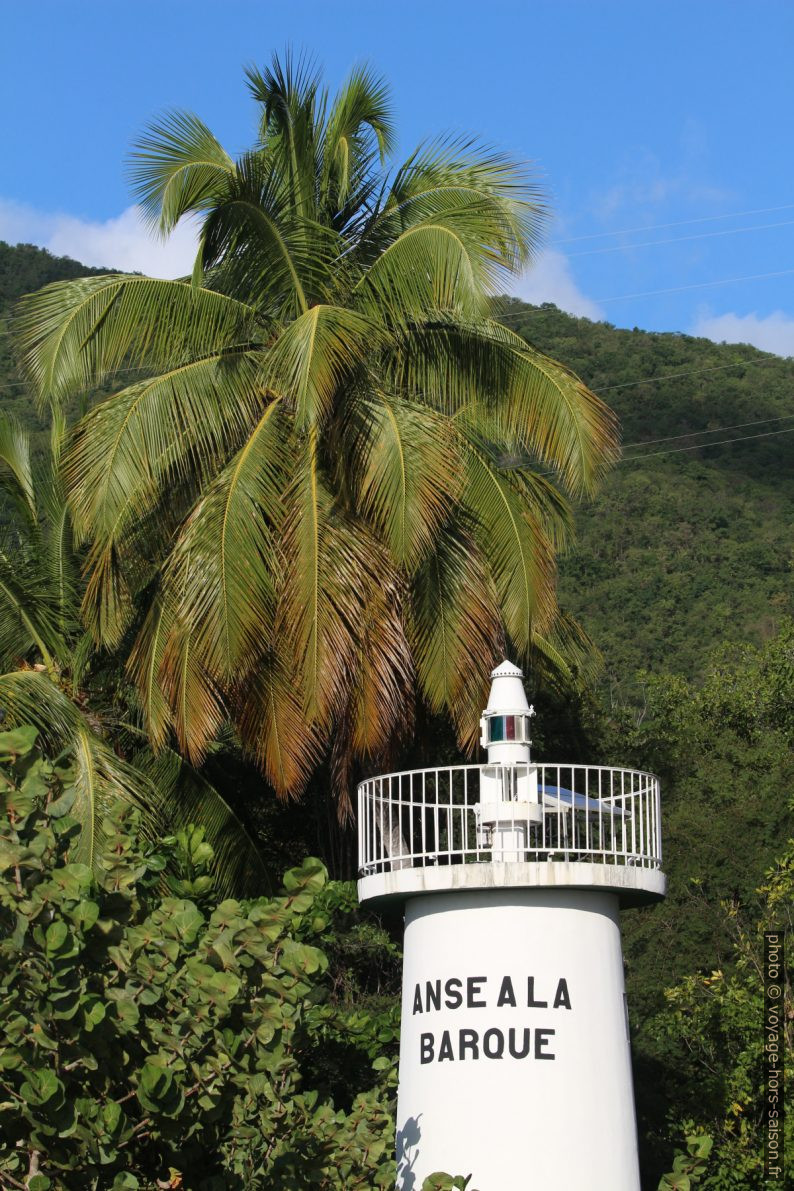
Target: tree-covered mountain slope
x: 23, y: 269
x: 683, y: 548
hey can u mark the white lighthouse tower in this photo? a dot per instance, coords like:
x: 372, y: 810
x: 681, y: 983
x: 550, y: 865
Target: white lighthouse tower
x: 514, y: 1054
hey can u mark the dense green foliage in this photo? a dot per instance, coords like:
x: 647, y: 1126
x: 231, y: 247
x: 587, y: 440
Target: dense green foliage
x: 155, y: 1034
x: 725, y: 752
x: 679, y: 551
x: 23, y: 269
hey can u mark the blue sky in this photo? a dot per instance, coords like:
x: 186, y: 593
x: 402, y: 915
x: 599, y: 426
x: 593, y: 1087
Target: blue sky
x: 638, y: 114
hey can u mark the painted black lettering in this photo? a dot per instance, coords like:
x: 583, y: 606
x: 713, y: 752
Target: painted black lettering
x: 453, y: 993
x: 531, y: 1002
x: 541, y: 1040
x: 445, y: 1049
x: 417, y: 1000
x: 426, y: 1048
x: 473, y: 990
x: 433, y: 994
x: 496, y: 1048
x: 468, y: 1040
x: 506, y: 994
x: 561, y: 998
x: 513, y: 1048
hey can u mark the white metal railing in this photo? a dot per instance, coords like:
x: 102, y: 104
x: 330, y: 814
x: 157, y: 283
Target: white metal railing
x: 464, y: 814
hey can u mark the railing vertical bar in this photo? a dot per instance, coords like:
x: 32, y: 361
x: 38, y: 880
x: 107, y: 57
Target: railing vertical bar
x: 392, y: 804
x: 623, y: 823
x: 451, y: 827
x: 643, y: 846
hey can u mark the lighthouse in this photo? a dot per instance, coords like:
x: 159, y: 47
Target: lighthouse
x: 515, y: 1064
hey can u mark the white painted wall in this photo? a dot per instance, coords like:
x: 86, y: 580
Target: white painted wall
x: 545, y: 1124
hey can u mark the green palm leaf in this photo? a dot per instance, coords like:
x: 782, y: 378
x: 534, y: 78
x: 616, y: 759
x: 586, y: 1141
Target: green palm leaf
x: 519, y: 554
x: 101, y: 778
x: 16, y: 473
x: 407, y: 468
x: 315, y: 355
x: 271, y: 716
x: 221, y: 575
x: 456, y: 632
x: 360, y: 113
x: 177, y: 167
x: 73, y: 334
x: 195, y: 699
x: 185, y: 798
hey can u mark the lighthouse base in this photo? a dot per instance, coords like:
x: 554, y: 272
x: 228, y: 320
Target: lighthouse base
x: 514, y: 1054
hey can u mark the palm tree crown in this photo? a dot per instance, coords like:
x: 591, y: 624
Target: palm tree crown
x: 303, y: 489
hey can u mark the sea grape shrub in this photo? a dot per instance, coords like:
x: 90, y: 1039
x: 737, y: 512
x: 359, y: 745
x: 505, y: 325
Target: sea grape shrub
x: 152, y: 1039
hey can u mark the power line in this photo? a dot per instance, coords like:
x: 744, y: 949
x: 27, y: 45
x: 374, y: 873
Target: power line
x: 653, y: 380
x: 705, y: 445
x: 691, y: 433
x: 113, y: 372
x: 653, y: 227
x: 731, y: 231
x: 675, y: 289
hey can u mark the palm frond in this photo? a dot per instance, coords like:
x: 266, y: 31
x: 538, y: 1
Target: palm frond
x: 437, y: 264
x: 59, y: 559
x: 168, y: 429
x: 548, y: 410
x: 223, y: 569
x: 455, y: 626
x: 71, y: 335
x: 473, y: 184
x: 315, y: 355
x: 177, y: 166
x: 16, y: 473
x: 293, y: 102
x: 144, y: 667
x: 518, y: 552
x: 30, y: 623
x: 382, y: 684
x: 195, y: 699
x: 330, y: 565
x: 186, y: 797
x: 536, y: 408
x: 406, y: 470
x: 101, y: 779
x: 360, y: 113
x: 566, y: 656
x: 265, y: 249
x: 270, y: 710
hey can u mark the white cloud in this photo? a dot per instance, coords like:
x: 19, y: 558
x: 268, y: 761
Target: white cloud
x: 772, y: 332
x: 123, y: 242
x: 550, y: 280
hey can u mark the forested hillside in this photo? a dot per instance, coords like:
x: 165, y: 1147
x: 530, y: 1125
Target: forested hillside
x: 23, y: 269
x: 683, y: 548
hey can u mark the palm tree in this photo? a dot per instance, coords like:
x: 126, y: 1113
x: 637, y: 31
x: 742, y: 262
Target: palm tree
x: 309, y: 483
x: 51, y: 677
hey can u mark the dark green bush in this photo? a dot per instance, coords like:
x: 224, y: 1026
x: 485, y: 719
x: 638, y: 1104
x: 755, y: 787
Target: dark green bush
x: 153, y: 1036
